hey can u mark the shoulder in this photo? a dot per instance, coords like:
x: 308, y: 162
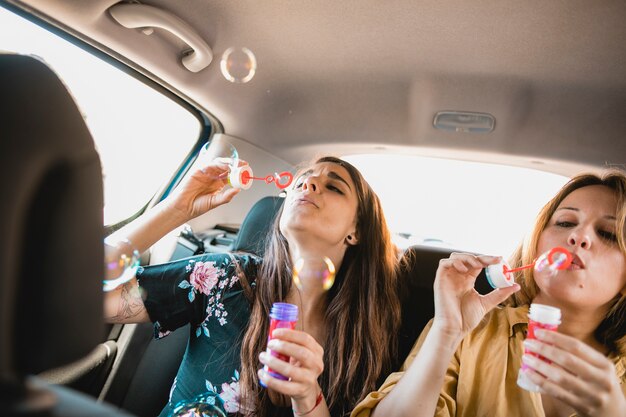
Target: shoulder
x: 201, y: 273
x: 207, y: 262
x: 223, y: 266
x: 228, y: 260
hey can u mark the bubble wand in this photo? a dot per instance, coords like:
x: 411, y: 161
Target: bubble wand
x: 241, y: 177
x: 500, y: 275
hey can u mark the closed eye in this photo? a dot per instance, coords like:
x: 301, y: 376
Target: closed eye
x: 565, y: 224
x: 334, y: 189
x: 606, y: 235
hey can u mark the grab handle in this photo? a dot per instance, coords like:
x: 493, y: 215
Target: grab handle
x: 133, y: 16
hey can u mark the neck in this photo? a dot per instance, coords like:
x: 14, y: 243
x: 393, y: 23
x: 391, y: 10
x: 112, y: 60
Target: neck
x: 578, y: 323
x: 311, y: 309
x: 310, y: 296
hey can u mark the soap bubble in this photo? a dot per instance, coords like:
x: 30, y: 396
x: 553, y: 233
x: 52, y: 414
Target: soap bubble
x: 554, y: 260
x: 312, y: 274
x: 217, y: 149
x: 121, y: 261
x: 238, y: 65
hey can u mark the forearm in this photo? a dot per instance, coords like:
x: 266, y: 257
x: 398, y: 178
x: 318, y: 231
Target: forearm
x: 417, y: 393
x: 125, y: 304
x: 150, y: 227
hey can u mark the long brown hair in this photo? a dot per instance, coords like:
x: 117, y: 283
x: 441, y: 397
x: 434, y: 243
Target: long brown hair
x: 612, y: 330
x: 362, y: 316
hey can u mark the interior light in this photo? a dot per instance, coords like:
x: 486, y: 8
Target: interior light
x: 464, y: 122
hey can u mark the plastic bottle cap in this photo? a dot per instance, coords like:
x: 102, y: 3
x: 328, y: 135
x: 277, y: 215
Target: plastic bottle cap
x: 497, y: 277
x: 284, y: 311
x: 545, y: 314
x: 241, y: 177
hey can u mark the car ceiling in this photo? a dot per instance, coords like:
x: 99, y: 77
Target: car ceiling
x: 369, y: 76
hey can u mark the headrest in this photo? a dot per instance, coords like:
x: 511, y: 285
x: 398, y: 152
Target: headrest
x: 257, y: 224
x: 51, y: 227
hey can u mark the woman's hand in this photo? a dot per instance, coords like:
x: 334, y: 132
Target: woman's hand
x: 579, y: 375
x: 458, y: 306
x: 305, y: 366
x: 204, y: 189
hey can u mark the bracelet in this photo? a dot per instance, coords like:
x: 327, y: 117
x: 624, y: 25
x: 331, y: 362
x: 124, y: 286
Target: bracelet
x: 318, y: 400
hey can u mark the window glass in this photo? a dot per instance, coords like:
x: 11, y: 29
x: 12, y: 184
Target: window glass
x: 460, y: 205
x: 141, y: 135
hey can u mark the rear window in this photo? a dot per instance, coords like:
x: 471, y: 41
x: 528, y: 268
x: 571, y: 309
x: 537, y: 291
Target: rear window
x: 456, y: 204
x: 142, y: 136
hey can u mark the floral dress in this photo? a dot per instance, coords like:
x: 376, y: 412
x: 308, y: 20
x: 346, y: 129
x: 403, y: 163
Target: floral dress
x: 205, y: 291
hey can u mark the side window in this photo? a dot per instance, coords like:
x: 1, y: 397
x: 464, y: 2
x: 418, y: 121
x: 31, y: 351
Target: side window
x: 142, y: 136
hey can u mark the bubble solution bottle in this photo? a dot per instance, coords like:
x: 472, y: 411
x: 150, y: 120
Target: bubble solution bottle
x: 540, y: 317
x: 282, y: 316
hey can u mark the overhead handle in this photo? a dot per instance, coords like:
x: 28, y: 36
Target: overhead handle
x: 197, y: 57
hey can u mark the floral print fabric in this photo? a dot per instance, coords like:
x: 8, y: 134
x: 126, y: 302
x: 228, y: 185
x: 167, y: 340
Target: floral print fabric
x: 205, y: 292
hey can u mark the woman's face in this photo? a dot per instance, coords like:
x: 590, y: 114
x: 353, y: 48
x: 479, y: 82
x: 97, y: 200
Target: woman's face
x: 321, y: 207
x: 585, y: 224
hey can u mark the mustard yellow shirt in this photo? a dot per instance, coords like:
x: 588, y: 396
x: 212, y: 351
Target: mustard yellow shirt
x: 481, y: 379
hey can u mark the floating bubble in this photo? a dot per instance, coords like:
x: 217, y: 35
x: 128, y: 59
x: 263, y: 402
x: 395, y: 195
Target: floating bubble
x: 121, y: 260
x: 238, y: 65
x: 312, y: 274
x: 215, y: 149
x: 218, y: 149
x: 556, y: 259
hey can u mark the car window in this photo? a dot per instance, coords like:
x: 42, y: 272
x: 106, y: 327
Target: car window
x: 141, y: 135
x: 472, y: 206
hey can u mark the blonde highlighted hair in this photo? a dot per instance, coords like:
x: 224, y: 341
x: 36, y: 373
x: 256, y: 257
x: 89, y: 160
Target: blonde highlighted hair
x: 612, y: 330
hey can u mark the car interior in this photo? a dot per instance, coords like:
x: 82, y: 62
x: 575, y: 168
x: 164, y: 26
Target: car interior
x: 539, y: 86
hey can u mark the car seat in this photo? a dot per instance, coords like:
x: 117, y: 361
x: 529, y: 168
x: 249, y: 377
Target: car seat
x: 51, y: 247
x: 418, y: 302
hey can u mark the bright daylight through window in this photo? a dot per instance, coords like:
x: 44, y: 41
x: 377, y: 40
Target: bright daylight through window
x: 128, y: 120
x: 455, y: 204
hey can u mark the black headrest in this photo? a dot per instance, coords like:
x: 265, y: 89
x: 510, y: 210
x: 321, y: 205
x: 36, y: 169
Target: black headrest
x: 418, y: 303
x: 51, y: 230
x: 257, y: 224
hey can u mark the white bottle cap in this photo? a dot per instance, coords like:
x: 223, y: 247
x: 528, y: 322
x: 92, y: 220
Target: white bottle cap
x: 545, y: 314
x: 497, y: 277
x: 236, y: 177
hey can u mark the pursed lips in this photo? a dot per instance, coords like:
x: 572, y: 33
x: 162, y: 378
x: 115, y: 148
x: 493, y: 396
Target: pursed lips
x: 577, y: 263
x: 305, y: 200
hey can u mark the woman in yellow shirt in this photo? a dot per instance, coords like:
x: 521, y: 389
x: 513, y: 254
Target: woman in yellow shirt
x: 467, y: 360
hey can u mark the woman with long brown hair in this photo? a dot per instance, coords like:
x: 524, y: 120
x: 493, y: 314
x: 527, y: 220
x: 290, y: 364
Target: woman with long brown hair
x: 467, y: 361
x: 345, y: 337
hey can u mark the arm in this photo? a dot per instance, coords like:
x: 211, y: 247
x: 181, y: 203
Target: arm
x: 125, y: 305
x: 458, y: 309
x: 196, y: 195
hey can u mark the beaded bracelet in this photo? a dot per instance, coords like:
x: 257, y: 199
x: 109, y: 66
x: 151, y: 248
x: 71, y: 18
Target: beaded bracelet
x: 318, y: 400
